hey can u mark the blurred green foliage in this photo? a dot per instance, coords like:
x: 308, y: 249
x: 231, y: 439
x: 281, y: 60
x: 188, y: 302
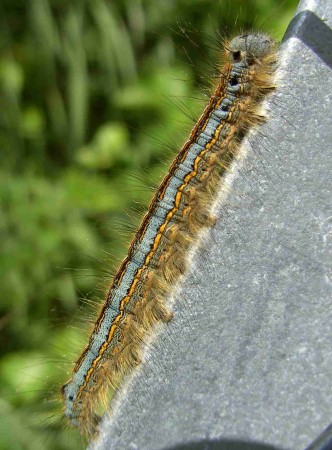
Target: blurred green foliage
x: 92, y: 93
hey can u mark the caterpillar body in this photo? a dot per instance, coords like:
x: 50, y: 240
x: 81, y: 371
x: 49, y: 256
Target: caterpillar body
x: 137, y: 297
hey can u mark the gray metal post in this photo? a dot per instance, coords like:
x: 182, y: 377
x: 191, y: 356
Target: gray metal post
x: 247, y: 357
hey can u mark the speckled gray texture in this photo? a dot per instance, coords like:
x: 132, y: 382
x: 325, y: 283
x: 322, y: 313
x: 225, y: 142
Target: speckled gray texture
x: 248, y: 355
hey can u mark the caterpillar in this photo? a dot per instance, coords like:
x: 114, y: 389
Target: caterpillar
x: 136, y: 300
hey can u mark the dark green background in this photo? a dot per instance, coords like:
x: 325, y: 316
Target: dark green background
x: 96, y: 97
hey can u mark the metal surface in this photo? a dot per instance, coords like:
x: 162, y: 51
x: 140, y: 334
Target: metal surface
x: 247, y: 357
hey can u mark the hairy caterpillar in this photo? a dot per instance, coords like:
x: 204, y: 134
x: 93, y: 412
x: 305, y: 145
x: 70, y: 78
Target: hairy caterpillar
x: 157, y: 257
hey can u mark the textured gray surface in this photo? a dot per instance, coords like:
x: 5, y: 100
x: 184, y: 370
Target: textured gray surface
x: 248, y: 356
